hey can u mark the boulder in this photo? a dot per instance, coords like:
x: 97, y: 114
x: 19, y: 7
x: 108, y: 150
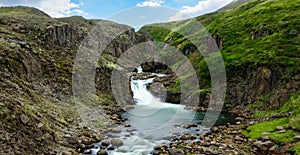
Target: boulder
x: 174, y: 151
x: 105, y: 142
x: 116, y: 142
x: 264, y: 146
x: 102, y: 152
x: 115, y: 130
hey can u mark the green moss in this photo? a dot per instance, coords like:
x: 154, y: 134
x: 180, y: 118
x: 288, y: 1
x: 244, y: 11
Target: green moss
x: 296, y: 148
x: 255, y: 131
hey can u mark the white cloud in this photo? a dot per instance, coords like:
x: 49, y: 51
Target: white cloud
x: 150, y: 3
x: 203, y: 6
x: 81, y: 12
x: 58, y: 8
x: 55, y: 8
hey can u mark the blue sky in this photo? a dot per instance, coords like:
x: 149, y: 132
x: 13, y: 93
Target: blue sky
x: 166, y: 10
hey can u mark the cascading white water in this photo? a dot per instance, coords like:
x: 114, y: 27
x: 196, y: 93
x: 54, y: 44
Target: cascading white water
x: 139, y: 69
x: 140, y: 93
x: 152, y: 119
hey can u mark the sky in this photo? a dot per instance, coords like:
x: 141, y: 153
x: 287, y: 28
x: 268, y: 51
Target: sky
x: 146, y: 11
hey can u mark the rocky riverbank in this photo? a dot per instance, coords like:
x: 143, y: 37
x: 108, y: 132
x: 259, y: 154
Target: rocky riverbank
x: 222, y: 139
x: 225, y: 139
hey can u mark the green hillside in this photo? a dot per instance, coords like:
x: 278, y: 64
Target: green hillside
x: 260, y: 45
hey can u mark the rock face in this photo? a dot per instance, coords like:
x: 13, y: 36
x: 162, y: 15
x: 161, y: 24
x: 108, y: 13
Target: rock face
x: 155, y: 67
x: 256, y: 71
x: 36, y: 57
x: 62, y: 35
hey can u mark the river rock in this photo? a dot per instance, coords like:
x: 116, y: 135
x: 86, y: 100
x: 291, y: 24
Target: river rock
x: 185, y: 137
x: 116, y: 142
x: 67, y: 153
x: 72, y: 140
x: 282, y: 131
x: 115, y: 130
x: 264, y: 146
x: 111, y: 148
x: 275, y: 149
x: 279, y: 128
x: 159, y: 147
x: 105, y: 142
x: 238, y: 138
x: 297, y: 138
x: 215, y: 129
x: 102, y: 152
x: 127, y: 125
x: 174, y: 151
x: 87, y: 141
x: 264, y: 138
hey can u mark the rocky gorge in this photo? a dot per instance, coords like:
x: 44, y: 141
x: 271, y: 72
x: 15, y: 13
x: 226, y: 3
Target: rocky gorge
x: 261, y: 55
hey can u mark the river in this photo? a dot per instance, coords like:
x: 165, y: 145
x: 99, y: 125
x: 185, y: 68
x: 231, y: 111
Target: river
x: 153, y: 122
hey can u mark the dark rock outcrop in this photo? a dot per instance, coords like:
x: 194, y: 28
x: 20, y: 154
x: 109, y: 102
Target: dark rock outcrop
x: 36, y: 56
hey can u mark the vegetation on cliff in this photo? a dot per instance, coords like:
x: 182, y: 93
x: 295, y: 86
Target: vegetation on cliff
x: 259, y: 41
x: 36, y: 57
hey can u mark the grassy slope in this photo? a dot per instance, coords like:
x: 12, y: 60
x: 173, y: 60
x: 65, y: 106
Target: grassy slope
x: 18, y: 97
x: 36, y: 105
x: 280, y: 49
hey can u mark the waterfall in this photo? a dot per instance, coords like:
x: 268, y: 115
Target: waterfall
x: 140, y: 93
x: 139, y: 69
x: 152, y: 120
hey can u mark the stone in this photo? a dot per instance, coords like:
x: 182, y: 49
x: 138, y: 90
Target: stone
x: 111, y: 148
x: 127, y: 125
x: 102, y: 152
x: 159, y: 147
x: 251, y: 122
x: 210, y: 151
x: 116, y: 142
x: 72, y: 140
x: 238, y: 138
x: 282, y: 131
x: 24, y: 119
x: 264, y: 138
x: 297, y: 138
x: 215, y: 129
x: 185, y: 137
x: 207, y: 144
x: 186, y: 126
x: 239, y: 119
x: 66, y: 153
x: 278, y: 128
x: 223, y: 146
x: 115, y: 130
x: 277, y: 150
x: 105, y: 142
x: 264, y: 146
x: 265, y: 133
x: 87, y: 141
x: 175, y: 151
